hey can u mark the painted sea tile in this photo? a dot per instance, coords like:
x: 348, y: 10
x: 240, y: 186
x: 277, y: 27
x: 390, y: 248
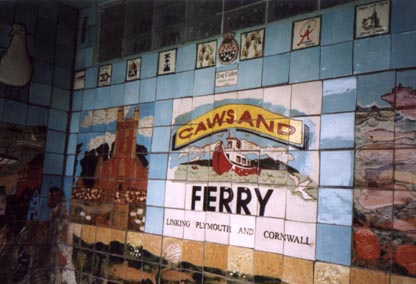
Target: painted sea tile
x: 374, y: 168
x: 268, y: 267
x: 374, y: 129
x: 404, y: 247
x: 326, y: 273
x: 306, y: 98
x: 339, y: 95
x: 337, y: 130
x: 268, y: 235
x: 372, y: 248
x: 240, y: 263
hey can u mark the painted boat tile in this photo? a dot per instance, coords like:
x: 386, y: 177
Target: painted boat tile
x: 137, y: 217
x: 334, y: 244
x: 339, y: 95
x: 242, y: 232
x: 337, y: 130
x: 268, y: 265
x: 175, y: 195
x: 374, y: 169
x: 182, y: 111
x: 170, y: 218
x: 364, y: 276
x: 273, y: 157
x: 297, y: 270
x: 175, y: 170
x: 277, y: 99
x: 336, y: 168
x: 267, y: 235
x: 195, y: 218
x: 371, y: 248
x: 374, y: 129
x: 335, y: 206
x: 306, y: 98
x: 240, y: 263
x: 326, y: 273
x: 305, y: 234
x: 404, y: 247
x: 277, y: 198
x: 215, y: 259
x: 300, y: 197
x: 219, y: 237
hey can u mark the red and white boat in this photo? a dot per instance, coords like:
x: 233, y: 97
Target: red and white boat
x: 229, y: 159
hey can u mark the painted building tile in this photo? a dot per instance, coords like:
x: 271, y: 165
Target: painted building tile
x: 325, y: 272
x: 276, y: 69
x: 337, y: 26
x: 372, y: 54
x: 242, y: 233
x: 337, y: 130
x: 147, y: 91
x: 165, y: 87
x: 336, y: 168
x: 249, y: 73
x: 215, y: 258
x: 335, y: 206
x: 193, y: 230
x: 149, y: 65
x: 303, y: 242
x: 204, y: 81
x: 374, y: 169
x: 402, y: 16
x: 268, y: 235
x: 339, y: 95
x: 278, y: 38
x: 154, y: 220
x: 334, y: 244
x: 306, y: 98
x: 160, y: 139
x: 304, y: 65
x: 296, y: 270
x: 131, y: 95
x: 362, y: 276
x: 240, y: 263
x: 186, y: 58
x: 223, y: 222
x: 336, y: 60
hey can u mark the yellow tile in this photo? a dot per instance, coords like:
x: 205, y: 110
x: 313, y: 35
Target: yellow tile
x: 396, y: 279
x: 328, y: 273
x: 117, y: 235
x: 365, y: 276
x: 152, y: 243
x: 215, y: 256
x: 296, y: 270
x: 103, y: 235
x: 88, y: 234
x: 193, y: 252
x: 268, y: 264
x: 240, y: 261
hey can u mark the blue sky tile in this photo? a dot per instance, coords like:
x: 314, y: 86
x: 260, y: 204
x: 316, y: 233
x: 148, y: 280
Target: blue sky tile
x: 163, y: 113
x: 337, y: 130
x: 186, y: 58
x: 184, y: 84
x: 333, y: 244
x: 156, y: 192
x: 304, y: 65
x: 72, y: 144
x: 336, y: 168
x: 403, y: 50
x: 158, y: 166
x: 335, y: 206
x: 161, y: 139
x: 339, y: 95
x: 147, y: 90
x: 403, y: 16
x: 249, y: 73
x: 132, y: 92
x: 165, y: 87
x: 149, y: 65
x: 57, y: 120
x: 204, y: 81
x: 276, y: 69
x: 226, y: 88
x: 338, y: 26
x: 154, y: 220
x: 372, y: 54
x: 74, y: 127
x: 118, y: 73
x: 336, y: 60
x: 278, y: 37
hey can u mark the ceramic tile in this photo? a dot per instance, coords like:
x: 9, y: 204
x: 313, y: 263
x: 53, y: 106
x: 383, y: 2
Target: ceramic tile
x: 158, y: 166
x: 119, y: 72
x: 336, y: 168
x: 153, y: 245
x: 267, y: 230
x: 61, y: 99
x: 175, y: 195
x: 154, y: 220
x: 334, y: 244
x: 240, y: 263
x: 131, y: 95
x: 215, y: 258
x: 254, y: 97
x: 88, y: 236
x: 171, y: 253
x: 277, y: 99
x: 192, y: 253
x: 404, y: 169
x: 336, y: 60
x: 407, y: 78
x: 249, y: 73
x: 186, y: 58
x: 159, y: 141
x: 155, y: 192
x: 267, y: 265
x: 372, y: 54
x: 147, y: 91
x: 335, y: 206
x: 278, y: 37
x: 202, y: 105
x: 204, y: 81
x: 337, y: 26
x: 163, y: 113
x: 304, y: 241
x: 42, y: 73
x: 219, y: 237
x: 374, y: 169
x: 55, y: 142
x: 363, y: 276
x: 337, y: 130
x: 331, y: 273
x: 371, y: 88
x: 306, y: 98
x: 195, y: 229
x: 103, y: 239
x: 277, y: 198
x: 182, y: 111
x: 401, y: 54
x: 184, y: 84
x: 77, y: 97
x: 149, y: 65
x: 230, y: 88
x: 244, y: 192
x: 297, y: 270
x: 404, y: 252
x: 53, y: 163
x: 402, y: 216
x: 304, y: 65
x: 339, y: 95
x: 276, y: 69
x: 35, y: 116
x: 402, y: 16
x: 299, y: 197
x: 375, y: 130
x: 306, y: 163
x: 170, y: 227
x: 396, y: 279
x: 88, y: 99
x: 242, y: 233
x: 40, y: 94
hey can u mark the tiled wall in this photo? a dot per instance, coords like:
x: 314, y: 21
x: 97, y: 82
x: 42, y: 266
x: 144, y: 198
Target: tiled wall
x: 360, y: 160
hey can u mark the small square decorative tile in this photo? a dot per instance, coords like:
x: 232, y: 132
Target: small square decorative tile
x: 267, y: 266
x: 194, y: 227
x: 373, y: 208
x: 251, y: 44
x: 223, y: 221
x: 306, y: 33
x: 296, y: 270
x: 374, y: 169
x: 104, y: 75
x: 303, y: 239
x: 133, y: 69
x: 206, y: 54
x: 242, y: 233
x: 372, y: 19
x: 339, y: 95
x: 167, y: 62
x: 335, y: 206
x: 326, y: 273
x: 79, y: 80
x: 336, y: 168
x: 215, y: 258
x: 337, y: 130
x: 240, y: 263
x: 306, y: 98
x: 334, y: 244
x: 268, y: 235
x: 365, y: 276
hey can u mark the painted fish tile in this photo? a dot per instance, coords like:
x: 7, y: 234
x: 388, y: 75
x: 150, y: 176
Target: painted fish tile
x: 404, y: 211
x: 374, y: 168
x: 374, y: 129
x: 404, y: 173
x: 404, y: 247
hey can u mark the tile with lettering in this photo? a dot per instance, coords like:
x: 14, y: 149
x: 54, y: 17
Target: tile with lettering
x: 299, y: 239
x: 174, y: 223
x: 242, y: 231
x: 217, y: 228
x: 269, y: 235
